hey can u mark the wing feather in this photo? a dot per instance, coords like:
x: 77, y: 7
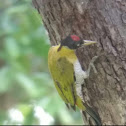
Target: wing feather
x: 62, y: 72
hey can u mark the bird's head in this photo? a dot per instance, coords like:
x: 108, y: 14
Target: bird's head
x: 73, y: 42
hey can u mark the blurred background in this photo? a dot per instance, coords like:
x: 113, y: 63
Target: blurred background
x: 27, y: 93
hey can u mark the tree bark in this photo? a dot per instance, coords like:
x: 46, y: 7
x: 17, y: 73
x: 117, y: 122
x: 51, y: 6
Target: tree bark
x: 105, y: 22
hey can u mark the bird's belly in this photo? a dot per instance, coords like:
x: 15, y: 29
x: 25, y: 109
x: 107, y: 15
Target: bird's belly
x: 80, y: 75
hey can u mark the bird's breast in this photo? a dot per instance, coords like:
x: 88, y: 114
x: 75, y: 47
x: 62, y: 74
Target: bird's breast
x: 80, y: 75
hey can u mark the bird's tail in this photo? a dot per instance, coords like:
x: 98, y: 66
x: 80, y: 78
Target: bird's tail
x: 85, y: 108
x: 93, y: 114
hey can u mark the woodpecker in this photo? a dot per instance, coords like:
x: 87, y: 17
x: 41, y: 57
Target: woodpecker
x: 67, y: 72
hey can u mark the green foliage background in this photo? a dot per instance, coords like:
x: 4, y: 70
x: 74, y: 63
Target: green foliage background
x: 25, y: 82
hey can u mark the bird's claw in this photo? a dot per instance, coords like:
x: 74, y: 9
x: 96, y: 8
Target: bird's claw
x: 91, y: 65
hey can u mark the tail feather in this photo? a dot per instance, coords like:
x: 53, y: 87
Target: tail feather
x: 85, y: 108
x: 93, y: 114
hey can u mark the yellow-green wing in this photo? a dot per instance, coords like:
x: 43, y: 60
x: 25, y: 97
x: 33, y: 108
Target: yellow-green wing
x: 62, y: 72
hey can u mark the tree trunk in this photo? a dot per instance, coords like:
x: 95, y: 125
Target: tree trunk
x: 105, y: 22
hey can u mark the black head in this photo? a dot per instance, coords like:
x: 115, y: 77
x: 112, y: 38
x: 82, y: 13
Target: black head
x: 72, y: 42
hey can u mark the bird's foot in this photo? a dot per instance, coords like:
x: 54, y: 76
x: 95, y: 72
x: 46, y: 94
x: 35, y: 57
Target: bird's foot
x: 91, y: 65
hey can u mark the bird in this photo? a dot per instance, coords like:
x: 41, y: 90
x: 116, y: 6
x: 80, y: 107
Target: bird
x: 66, y: 72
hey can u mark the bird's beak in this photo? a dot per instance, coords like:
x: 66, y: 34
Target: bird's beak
x: 88, y: 42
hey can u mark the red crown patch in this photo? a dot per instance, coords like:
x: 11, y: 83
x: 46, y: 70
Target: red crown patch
x: 75, y: 38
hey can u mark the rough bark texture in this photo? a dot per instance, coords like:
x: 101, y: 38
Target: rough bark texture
x: 105, y: 22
